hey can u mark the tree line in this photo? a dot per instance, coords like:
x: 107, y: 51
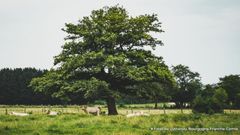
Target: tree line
x: 188, y: 92
x: 15, y: 90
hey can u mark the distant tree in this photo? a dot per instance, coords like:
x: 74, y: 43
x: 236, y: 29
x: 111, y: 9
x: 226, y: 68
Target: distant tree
x: 231, y: 84
x: 219, y: 100
x: 155, y: 91
x: 237, y: 101
x: 188, y: 85
x: 104, y: 53
x: 210, y: 100
x: 14, y: 87
x: 208, y: 90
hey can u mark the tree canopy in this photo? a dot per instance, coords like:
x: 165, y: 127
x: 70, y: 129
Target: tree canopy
x: 14, y: 87
x: 155, y: 91
x: 231, y: 84
x: 104, y: 53
x: 188, y: 84
x: 210, y: 100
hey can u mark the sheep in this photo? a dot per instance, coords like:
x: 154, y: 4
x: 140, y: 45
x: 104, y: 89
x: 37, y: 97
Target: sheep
x: 137, y: 114
x: 19, y: 114
x: 52, y: 113
x: 171, y: 104
x: 92, y: 110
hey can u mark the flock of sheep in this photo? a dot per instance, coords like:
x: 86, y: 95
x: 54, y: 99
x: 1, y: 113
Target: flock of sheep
x: 88, y: 110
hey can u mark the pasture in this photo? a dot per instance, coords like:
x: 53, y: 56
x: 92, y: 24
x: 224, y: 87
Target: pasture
x: 73, y: 120
x: 74, y: 109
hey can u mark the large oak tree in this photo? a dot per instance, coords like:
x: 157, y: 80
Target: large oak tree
x: 103, y: 54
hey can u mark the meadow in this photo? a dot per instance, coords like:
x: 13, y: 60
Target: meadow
x: 73, y: 121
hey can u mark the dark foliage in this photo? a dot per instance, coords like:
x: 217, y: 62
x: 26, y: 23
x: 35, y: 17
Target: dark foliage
x: 14, y: 87
x: 210, y: 100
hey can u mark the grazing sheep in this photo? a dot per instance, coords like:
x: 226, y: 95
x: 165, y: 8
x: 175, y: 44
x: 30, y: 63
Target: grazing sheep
x: 137, y: 114
x: 92, y: 110
x: 19, y: 114
x: 52, y: 113
x: 171, y: 104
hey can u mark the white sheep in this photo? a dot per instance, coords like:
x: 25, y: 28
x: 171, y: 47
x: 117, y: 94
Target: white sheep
x: 19, y: 114
x: 92, y: 110
x: 52, y: 113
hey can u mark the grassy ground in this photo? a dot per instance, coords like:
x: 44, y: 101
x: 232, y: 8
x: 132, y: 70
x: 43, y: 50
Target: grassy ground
x: 74, y: 124
x: 73, y: 121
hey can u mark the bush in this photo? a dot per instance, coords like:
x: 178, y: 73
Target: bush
x: 210, y: 104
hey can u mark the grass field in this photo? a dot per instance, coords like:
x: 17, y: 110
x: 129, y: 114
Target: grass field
x: 148, y: 108
x: 74, y: 122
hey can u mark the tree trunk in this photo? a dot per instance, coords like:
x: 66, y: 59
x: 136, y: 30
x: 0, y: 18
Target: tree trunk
x: 156, y: 104
x: 181, y: 107
x: 112, y: 110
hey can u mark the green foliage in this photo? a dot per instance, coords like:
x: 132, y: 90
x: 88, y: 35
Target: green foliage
x: 188, y: 84
x: 211, y: 103
x: 154, y: 91
x: 220, y: 96
x: 231, y: 84
x: 103, y: 54
x: 52, y: 83
x: 14, y: 87
x: 99, y: 102
x: 237, y: 101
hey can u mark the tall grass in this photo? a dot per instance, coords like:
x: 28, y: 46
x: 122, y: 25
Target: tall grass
x: 74, y: 124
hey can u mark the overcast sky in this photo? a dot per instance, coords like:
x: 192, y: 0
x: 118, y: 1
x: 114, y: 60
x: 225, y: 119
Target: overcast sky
x: 202, y: 34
